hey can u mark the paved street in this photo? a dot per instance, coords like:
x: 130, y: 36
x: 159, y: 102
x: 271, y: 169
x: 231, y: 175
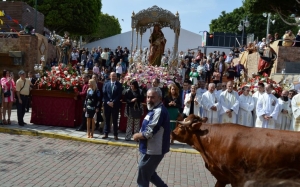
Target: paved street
x: 40, y: 161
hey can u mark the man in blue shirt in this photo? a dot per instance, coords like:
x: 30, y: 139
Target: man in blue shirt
x: 154, y: 138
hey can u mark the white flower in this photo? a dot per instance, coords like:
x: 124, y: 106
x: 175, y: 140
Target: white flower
x: 66, y: 72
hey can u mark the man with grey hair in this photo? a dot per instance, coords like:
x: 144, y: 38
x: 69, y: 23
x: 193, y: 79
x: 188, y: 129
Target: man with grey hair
x: 247, y: 104
x: 210, y: 105
x: 154, y: 139
x: 285, y: 114
x: 267, y: 109
x: 22, y: 89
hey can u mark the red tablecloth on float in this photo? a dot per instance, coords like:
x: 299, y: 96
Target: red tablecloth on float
x: 55, y: 108
x: 123, y: 119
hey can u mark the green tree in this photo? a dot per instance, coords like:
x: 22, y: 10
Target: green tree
x: 284, y: 9
x: 108, y: 26
x: 74, y: 16
x: 229, y: 22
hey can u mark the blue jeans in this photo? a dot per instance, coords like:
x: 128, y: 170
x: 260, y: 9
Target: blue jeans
x: 147, y: 173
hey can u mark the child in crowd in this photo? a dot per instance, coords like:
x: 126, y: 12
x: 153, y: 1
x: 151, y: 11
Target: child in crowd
x: 89, y: 64
x: 123, y: 64
x: 119, y: 70
x: 96, y: 69
x: 106, y: 75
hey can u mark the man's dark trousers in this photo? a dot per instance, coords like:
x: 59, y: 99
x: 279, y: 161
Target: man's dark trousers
x: 21, y: 108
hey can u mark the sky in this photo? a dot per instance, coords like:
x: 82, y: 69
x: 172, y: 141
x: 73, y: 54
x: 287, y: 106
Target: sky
x: 195, y: 15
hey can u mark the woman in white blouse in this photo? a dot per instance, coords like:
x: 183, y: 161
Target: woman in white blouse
x: 192, y: 102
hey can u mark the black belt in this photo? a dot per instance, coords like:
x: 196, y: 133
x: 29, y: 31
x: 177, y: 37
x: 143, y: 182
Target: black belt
x: 24, y: 95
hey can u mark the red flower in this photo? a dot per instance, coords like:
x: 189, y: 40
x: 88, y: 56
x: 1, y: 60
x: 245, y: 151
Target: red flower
x: 67, y: 86
x: 61, y: 87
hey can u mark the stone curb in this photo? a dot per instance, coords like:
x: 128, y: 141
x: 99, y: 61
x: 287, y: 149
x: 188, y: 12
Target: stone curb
x: 67, y: 137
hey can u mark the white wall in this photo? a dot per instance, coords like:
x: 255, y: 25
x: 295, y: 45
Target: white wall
x: 187, y: 40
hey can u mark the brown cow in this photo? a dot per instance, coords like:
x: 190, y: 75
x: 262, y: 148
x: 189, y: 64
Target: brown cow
x: 235, y: 153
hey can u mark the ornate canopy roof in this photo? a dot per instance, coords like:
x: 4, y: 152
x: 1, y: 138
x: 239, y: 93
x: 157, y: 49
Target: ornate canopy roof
x: 147, y: 18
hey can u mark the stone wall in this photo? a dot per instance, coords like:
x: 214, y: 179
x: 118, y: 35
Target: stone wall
x: 286, y: 54
x: 33, y: 47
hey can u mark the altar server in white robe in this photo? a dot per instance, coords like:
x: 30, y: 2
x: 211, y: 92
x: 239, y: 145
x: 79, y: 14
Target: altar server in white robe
x: 256, y: 95
x: 210, y: 105
x: 296, y: 112
x: 229, y: 104
x: 284, y: 118
x: 192, y: 103
x: 267, y: 109
x: 246, y: 103
x: 220, y: 88
x: 200, y: 91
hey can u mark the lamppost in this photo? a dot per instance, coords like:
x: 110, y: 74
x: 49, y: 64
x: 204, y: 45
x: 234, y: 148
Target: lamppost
x: 268, y: 23
x: 35, y: 22
x: 244, y: 23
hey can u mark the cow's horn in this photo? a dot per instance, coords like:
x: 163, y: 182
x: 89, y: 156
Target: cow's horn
x: 184, y: 122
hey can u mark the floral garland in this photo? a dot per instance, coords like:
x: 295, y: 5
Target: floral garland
x: 144, y: 75
x: 61, y: 77
x: 253, y: 84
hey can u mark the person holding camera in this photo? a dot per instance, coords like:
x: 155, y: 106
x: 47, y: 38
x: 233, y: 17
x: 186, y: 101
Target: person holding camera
x: 22, y: 90
x: 8, y: 89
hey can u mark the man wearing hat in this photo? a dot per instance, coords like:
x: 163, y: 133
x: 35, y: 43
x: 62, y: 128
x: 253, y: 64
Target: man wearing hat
x: 22, y: 89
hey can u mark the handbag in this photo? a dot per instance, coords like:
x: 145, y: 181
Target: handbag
x: 7, y: 93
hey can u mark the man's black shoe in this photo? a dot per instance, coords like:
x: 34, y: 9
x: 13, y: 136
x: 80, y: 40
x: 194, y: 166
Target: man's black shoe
x: 25, y: 123
x: 21, y: 124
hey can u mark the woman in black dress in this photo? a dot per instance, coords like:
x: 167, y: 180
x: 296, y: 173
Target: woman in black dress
x: 134, y: 98
x: 91, y: 107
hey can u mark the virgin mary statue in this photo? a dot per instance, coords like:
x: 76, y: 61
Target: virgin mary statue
x: 157, y: 46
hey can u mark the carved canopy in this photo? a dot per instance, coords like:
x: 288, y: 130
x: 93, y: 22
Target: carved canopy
x: 147, y: 18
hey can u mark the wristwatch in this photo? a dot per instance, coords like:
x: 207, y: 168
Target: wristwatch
x: 231, y: 110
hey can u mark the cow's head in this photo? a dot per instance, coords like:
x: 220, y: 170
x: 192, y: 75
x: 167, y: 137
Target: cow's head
x: 187, y: 127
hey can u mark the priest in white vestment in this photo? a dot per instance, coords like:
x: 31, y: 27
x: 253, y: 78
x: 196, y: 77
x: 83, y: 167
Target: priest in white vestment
x: 220, y: 88
x: 229, y: 105
x: 246, y: 103
x: 210, y: 105
x: 192, y: 103
x: 200, y: 91
x: 284, y: 118
x: 296, y: 112
x: 267, y: 109
x: 256, y: 95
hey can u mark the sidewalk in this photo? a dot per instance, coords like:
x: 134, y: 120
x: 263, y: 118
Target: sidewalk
x: 71, y: 134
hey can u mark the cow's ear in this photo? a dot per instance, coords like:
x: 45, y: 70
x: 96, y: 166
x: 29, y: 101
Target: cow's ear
x: 196, y: 126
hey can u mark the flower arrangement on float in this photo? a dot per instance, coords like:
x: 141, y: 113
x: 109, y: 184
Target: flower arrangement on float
x: 253, y: 84
x: 61, y: 77
x: 144, y: 75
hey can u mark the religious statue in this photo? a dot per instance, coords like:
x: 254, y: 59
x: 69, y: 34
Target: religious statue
x: 266, y: 61
x: 157, y: 46
x: 65, y: 49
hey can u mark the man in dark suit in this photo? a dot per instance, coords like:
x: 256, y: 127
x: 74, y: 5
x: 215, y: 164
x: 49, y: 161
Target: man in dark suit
x: 32, y: 80
x: 112, y: 93
x: 185, y: 90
